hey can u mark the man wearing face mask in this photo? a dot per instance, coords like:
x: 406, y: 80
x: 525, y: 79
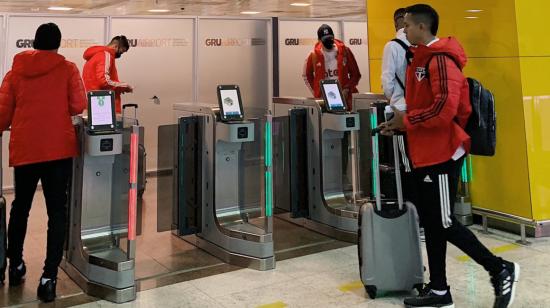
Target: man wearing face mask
x: 100, y: 72
x: 331, y: 59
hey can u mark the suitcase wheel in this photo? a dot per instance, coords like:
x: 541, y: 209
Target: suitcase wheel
x: 371, y: 291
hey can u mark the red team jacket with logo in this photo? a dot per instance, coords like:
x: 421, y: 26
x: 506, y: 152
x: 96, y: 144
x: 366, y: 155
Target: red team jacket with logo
x: 438, y: 103
x: 100, y: 72
x: 348, y: 71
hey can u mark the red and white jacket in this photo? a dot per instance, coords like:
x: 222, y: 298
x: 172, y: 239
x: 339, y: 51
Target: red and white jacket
x: 348, y: 70
x: 438, y: 103
x: 100, y: 72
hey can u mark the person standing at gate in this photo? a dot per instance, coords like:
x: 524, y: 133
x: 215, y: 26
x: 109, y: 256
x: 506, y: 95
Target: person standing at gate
x: 100, y: 71
x: 331, y: 59
x: 37, y: 99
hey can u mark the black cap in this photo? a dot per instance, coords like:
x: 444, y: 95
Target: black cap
x: 324, y: 32
x: 47, y: 37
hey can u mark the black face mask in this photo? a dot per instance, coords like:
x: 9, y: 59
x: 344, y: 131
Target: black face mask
x: 118, y: 54
x: 329, y: 43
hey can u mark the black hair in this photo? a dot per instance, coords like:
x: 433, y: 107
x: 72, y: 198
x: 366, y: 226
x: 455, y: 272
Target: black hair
x: 423, y: 13
x: 399, y: 13
x: 122, y: 41
x: 47, y: 37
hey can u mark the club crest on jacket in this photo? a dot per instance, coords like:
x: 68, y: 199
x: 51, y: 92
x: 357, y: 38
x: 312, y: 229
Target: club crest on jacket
x: 420, y: 73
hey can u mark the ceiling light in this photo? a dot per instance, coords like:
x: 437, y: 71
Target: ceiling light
x: 250, y: 12
x: 59, y: 8
x: 158, y: 11
x: 474, y: 11
x: 300, y: 4
x: 471, y: 17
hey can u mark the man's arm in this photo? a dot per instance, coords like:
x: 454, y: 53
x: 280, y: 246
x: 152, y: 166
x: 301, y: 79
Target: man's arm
x: 77, y: 94
x: 389, y: 70
x: 353, y: 69
x: 7, y: 102
x: 103, y: 70
x: 307, y: 74
x: 446, y: 81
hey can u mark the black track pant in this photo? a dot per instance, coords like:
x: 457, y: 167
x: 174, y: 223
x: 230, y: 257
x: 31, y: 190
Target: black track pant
x: 54, y: 176
x: 437, y: 187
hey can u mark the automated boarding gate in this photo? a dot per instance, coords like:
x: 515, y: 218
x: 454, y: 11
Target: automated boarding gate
x: 315, y: 167
x: 100, y: 248
x: 221, y: 184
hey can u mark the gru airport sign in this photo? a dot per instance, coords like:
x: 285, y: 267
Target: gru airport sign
x: 300, y: 41
x: 65, y: 43
x: 233, y: 42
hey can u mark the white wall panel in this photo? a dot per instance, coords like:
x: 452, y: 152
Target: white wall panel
x: 159, y: 63
x: 235, y: 51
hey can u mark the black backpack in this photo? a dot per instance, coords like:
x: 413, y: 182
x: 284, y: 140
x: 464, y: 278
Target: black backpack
x: 482, y: 124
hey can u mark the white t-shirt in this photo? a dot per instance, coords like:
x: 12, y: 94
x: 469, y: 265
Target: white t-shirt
x: 331, y: 63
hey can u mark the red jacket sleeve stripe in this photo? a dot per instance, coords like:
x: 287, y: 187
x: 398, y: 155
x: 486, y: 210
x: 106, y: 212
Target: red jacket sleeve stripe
x: 436, y: 109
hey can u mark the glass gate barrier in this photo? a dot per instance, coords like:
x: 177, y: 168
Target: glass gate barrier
x: 215, y: 183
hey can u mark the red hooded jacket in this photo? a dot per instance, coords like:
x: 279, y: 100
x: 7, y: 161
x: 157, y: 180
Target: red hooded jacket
x: 348, y: 71
x: 438, y: 103
x: 100, y: 72
x: 37, y: 99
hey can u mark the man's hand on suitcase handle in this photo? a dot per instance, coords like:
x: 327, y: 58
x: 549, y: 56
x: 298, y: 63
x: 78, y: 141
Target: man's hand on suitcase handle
x: 394, y: 125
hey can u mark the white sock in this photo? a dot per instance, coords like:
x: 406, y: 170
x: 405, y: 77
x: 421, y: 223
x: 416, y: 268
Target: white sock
x: 440, y: 293
x: 43, y: 280
x: 20, y: 267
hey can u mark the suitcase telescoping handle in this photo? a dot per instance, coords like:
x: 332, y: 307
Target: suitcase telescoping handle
x: 135, y: 106
x: 376, y: 163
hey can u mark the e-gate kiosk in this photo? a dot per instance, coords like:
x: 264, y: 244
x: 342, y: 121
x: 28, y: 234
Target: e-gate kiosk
x: 314, y: 163
x: 100, y: 248
x: 222, y: 188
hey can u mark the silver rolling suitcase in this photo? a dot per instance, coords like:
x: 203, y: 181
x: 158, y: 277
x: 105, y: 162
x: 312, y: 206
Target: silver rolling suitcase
x: 390, y: 258
x: 3, y: 233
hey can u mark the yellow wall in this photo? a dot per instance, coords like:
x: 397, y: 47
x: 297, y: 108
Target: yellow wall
x: 534, y: 55
x: 504, y: 49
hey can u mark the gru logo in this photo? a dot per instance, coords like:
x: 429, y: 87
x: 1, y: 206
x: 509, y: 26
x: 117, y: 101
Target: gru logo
x: 24, y: 43
x: 355, y: 41
x: 292, y: 42
x: 213, y: 42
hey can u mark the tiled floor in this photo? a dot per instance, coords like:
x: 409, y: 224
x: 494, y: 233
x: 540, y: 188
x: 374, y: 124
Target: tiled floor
x: 331, y: 279
x: 162, y: 258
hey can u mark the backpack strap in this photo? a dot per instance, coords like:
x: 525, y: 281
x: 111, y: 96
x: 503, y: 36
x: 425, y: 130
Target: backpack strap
x: 401, y: 43
x: 440, y: 54
x: 406, y: 47
x: 399, y: 82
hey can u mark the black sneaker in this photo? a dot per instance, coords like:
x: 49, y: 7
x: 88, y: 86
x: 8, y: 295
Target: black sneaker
x: 46, y: 292
x: 17, y: 276
x: 505, y: 285
x: 428, y: 299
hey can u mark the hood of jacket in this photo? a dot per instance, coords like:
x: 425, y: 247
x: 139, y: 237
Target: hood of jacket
x: 33, y: 63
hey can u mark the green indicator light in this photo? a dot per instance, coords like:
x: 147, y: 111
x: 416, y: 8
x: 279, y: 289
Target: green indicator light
x: 470, y: 167
x: 373, y: 122
x: 464, y: 171
x: 268, y: 195
x: 268, y: 175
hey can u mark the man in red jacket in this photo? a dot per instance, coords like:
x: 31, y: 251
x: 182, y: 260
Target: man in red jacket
x: 100, y: 72
x: 37, y: 99
x: 331, y: 59
x: 438, y: 107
